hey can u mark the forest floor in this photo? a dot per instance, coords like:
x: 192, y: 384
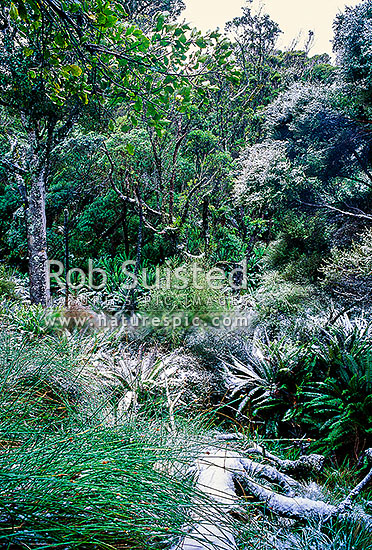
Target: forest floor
x: 109, y: 445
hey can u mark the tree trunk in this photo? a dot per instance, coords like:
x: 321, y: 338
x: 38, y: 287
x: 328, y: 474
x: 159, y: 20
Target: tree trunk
x: 37, y: 240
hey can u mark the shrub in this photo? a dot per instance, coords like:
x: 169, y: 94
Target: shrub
x: 266, y: 177
x: 349, y: 272
x: 195, y: 304
x: 276, y: 296
x: 294, y: 264
x: 331, y: 535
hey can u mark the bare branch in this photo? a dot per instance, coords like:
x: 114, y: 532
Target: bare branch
x: 362, y: 216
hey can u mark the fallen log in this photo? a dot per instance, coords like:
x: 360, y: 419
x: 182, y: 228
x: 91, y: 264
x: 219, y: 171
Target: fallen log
x: 220, y: 471
x: 303, y: 466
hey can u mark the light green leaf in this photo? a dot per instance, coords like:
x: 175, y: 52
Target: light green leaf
x: 130, y: 149
x: 13, y: 12
x: 75, y: 70
x: 160, y: 23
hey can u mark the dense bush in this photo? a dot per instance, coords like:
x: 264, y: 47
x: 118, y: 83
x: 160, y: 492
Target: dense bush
x: 184, y: 298
x: 348, y: 271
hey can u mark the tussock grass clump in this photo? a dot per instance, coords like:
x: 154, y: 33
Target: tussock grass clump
x: 282, y: 535
x: 95, y: 488
x: 7, y: 286
x: 70, y: 476
x: 43, y: 382
x: 276, y: 296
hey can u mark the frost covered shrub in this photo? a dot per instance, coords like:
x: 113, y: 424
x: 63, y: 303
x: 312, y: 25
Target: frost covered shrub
x: 264, y: 385
x: 293, y: 106
x: 331, y: 535
x: 349, y: 272
x: 310, y: 142
x: 266, y: 174
x: 275, y: 295
x: 214, y: 344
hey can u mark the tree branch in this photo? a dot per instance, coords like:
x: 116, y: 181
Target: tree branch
x: 361, y: 216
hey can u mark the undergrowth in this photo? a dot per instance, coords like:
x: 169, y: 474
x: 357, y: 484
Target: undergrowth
x: 73, y: 474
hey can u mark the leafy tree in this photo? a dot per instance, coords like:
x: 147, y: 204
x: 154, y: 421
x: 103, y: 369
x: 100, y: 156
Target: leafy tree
x: 145, y: 8
x: 59, y: 61
x: 353, y: 45
x: 237, y: 116
x: 255, y: 37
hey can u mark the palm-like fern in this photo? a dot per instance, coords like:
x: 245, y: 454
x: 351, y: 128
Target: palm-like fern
x: 341, y: 404
x: 267, y: 380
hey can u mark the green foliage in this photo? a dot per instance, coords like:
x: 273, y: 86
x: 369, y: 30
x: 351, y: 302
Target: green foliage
x: 264, y: 385
x: 42, y: 381
x: 323, y: 72
x: 67, y: 477
x: 340, y: 406
x: 7, y: 286
x: 289, y: 255
x: 90, y: 487
x: 116, y: 294
x: 320, y: 388
x: 275, y: 295
x: 184, y: 298
x: 74, y: 54
x: 31, y: 320
x: 163, y: 144
x: 348, y: 271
